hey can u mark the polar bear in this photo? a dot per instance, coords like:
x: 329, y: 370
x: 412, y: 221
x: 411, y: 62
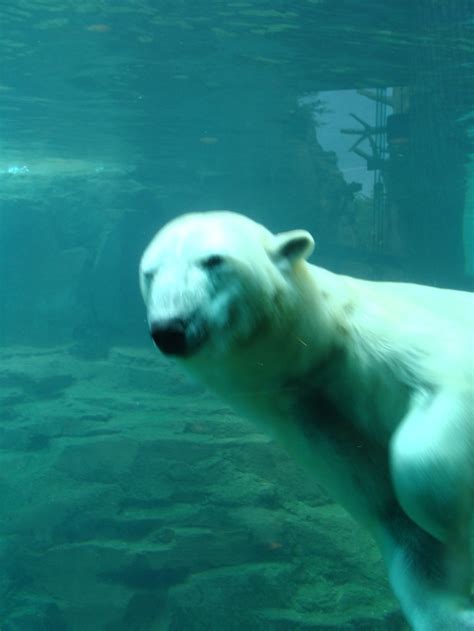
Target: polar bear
x: 370, y: 385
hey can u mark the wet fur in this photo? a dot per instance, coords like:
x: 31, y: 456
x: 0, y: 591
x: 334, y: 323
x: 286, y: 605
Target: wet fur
x: 369, y: 385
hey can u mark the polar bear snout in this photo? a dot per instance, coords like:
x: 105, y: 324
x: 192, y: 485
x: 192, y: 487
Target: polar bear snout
x: 169, y: 336
x: 176, y: 336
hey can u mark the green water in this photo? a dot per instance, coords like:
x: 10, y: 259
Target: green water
x: 130, y: 499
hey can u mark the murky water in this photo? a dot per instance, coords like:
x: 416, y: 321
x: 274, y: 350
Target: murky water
x: 131, y: 499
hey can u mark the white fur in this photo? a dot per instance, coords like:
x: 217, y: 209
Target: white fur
x: 370, y: 386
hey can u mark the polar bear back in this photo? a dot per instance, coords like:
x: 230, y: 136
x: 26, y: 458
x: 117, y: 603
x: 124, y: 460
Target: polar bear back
x: 455, y: 305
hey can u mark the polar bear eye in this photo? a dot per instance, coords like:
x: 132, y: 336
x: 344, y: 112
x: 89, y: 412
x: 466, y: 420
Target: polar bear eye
x: 212, y: 261
x: 148, y: 277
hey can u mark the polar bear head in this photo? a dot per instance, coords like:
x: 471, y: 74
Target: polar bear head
x: 212, y: 280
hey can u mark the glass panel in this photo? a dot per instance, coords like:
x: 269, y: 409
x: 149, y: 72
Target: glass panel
x: 132, y: 497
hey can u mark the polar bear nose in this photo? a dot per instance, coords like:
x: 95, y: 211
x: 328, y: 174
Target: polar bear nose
x: 170, y: 336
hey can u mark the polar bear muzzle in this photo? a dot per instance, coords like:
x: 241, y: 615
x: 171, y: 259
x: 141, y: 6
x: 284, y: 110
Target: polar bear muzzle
x: 176, y: 336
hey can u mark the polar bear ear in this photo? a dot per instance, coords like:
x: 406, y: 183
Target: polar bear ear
x: 292, y: 246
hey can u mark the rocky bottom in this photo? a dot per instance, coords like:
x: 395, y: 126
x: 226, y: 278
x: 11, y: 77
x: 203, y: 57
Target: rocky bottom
x: 132, y: 500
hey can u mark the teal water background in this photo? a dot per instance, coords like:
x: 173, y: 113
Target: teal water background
x: 130, y: 499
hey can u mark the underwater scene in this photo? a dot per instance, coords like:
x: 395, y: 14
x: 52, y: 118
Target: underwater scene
x: 133, y: 496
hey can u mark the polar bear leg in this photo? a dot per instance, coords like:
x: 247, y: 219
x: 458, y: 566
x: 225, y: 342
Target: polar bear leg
x: 432, y: 465
x: 427, y: 549
x: 420, y: 573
